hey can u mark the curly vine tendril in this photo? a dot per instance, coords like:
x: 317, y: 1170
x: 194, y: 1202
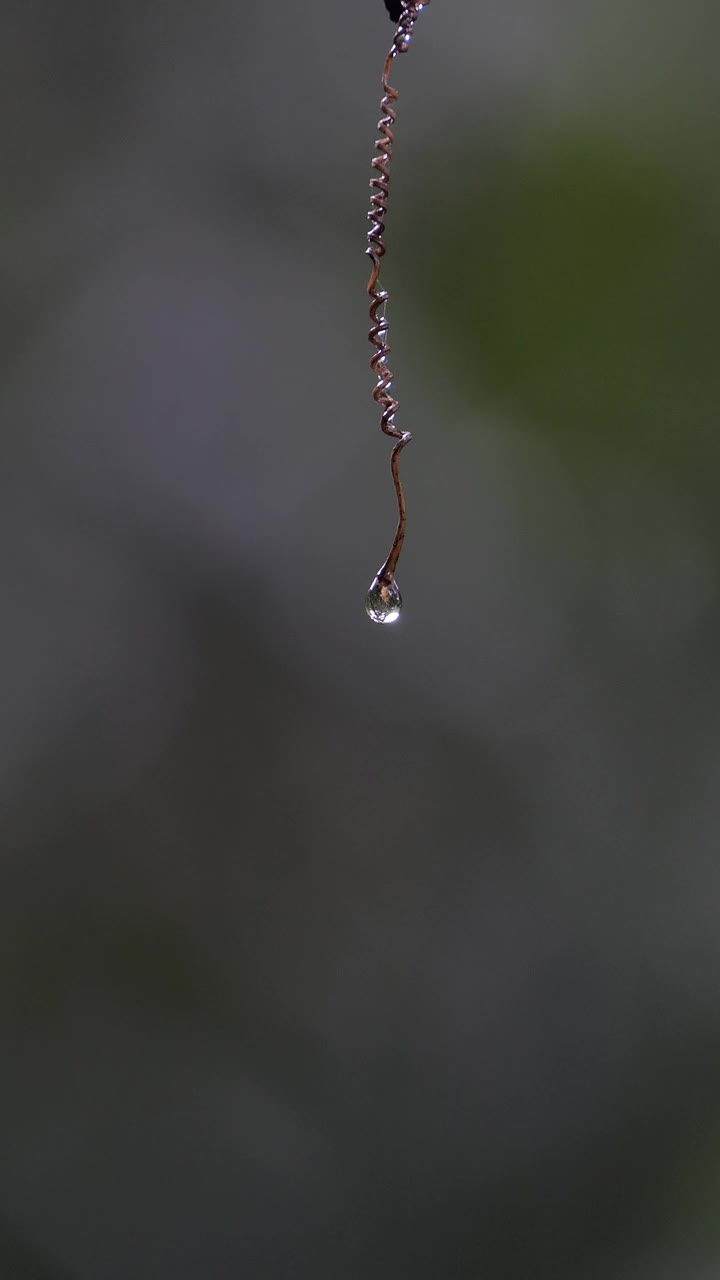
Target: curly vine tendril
x: 378, y: 335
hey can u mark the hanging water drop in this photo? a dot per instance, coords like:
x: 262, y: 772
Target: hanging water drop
x: 383, y: 602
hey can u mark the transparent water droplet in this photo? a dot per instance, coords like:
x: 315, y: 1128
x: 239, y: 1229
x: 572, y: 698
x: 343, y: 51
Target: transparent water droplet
x: 383, y: 602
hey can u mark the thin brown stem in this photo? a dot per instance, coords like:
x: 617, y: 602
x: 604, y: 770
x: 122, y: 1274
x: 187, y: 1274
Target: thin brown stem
x: 378, y: 335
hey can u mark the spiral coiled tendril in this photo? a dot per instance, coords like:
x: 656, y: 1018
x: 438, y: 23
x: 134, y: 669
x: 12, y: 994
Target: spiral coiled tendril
x: 384, y: 588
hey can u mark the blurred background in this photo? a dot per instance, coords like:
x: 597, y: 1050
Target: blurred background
x: 331, y: 949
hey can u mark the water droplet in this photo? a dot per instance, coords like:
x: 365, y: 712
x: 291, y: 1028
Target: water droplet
x: 383, y: 602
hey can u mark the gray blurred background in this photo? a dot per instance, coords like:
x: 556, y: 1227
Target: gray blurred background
x: 328, y: 949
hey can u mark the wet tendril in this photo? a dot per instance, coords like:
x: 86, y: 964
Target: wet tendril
x: 384, y: 602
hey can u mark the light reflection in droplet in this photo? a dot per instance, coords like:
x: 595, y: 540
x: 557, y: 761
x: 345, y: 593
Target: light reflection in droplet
x: 383, y: 602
